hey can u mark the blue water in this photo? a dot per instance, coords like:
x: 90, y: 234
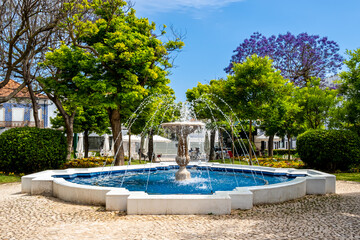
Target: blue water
x: 163, y: 181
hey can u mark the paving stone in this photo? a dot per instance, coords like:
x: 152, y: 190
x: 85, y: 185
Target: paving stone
x: 335, y: 216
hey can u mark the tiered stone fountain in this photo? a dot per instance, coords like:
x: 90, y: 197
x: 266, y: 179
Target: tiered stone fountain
x: 183, y: 129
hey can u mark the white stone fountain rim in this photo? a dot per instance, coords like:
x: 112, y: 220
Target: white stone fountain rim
x: 138, y: 202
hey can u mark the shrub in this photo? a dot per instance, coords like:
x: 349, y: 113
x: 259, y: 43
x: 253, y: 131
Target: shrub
x: 329, y: 149
x: 284, y: 151
x: 28, y: 150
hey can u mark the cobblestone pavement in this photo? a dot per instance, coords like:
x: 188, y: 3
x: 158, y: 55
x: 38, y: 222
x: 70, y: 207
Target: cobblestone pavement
x: 335, y: 216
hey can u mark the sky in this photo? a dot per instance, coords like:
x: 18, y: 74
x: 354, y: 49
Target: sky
x: 214, y: 28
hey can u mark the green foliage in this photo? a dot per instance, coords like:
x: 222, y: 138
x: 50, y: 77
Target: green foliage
x: 316, y: 103
x: 28, y: 150
x: 127, y: 59
x: 348, y: 114
x: 115, y: 60
x: 201, y: 108
x: 289, y: 116
x: 252, y: 87
x: 158, y: 110
x: 329, y: 149
x: 90, y: 119
x: 284, y: 151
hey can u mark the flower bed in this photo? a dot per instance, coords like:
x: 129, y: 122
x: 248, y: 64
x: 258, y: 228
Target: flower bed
x: 280, y: 163
x: 88, y: 162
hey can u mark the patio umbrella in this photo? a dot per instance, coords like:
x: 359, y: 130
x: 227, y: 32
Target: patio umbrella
x: 106, y: 148
x: 80, y: 146
x: 158, y: 138
x: 207, y: 144
x: 134, y: 138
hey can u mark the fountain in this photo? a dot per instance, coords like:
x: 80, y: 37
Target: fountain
x: 182, y: 130
x: 152, y: 188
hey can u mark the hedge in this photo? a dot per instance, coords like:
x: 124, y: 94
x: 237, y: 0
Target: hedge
x: 329, y: 150
x: 284, y: 151
x: 28, y: 150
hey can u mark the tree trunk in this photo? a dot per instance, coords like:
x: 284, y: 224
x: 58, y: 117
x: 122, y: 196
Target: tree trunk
x: 129, y: 133
x: 142, y: 143
x: 232, y: 142
x: 68, y: 119
x: 288, y: 137
x: 250, y: 142
x: 86, y: 143
x: 34, y: 104
x: 115, y: 121
x: 271, y: 146
x: 212, y: 145
x: 151, y: 146
x: 221, y: 146
x: 69, y: 123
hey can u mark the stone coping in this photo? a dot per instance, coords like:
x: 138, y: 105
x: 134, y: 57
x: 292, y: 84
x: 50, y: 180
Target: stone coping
x: 52, y: 182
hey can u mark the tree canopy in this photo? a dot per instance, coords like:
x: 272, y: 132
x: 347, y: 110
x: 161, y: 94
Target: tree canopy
x: 349, y: 111
x: 254, y: 84
x: 298, y: 57
x: 124, y: 60
x: 316, y: 103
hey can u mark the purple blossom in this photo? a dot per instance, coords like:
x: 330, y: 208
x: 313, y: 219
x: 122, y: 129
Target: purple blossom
x: 298, y: 57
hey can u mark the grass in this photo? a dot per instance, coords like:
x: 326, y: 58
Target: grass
x: 4, y: 178
x: 348, y: 176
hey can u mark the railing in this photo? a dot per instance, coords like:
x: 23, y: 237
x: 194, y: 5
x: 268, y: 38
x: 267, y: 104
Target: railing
x: 14, y: 124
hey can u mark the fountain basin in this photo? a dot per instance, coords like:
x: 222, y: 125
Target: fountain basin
x: 52, y: 183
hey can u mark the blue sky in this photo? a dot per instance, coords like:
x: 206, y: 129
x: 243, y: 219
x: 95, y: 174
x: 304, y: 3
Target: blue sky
x: 214, y: 28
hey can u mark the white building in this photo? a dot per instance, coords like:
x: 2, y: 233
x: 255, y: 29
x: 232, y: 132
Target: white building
x: 18, y: 112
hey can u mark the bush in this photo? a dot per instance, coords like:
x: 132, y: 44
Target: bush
x: 284, y: 151
x: 329, y: 149
x: 28, y: 150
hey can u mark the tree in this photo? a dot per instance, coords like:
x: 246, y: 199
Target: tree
x: 68, y: 70
x: 274, y: 113
x: 87, y: 120
x: 316, y: 103
x: 26, y: 30
x: 350, y: 108
x: 251, y: 87
x: 130, y: 59
x: 147, y: 119
x: 298, y: 57
x: 291, y: 123
x: 204, y: 107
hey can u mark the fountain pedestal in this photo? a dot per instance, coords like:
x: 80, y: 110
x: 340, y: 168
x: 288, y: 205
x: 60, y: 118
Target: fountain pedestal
x: 183, y: 129
x: 182, y: 173
x: 182, y: 159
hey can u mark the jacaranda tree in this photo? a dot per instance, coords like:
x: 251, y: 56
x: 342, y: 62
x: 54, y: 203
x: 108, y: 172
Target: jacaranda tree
x: 298, y: 57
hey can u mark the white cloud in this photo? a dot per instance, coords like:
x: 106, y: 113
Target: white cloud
x: 152, y: 6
